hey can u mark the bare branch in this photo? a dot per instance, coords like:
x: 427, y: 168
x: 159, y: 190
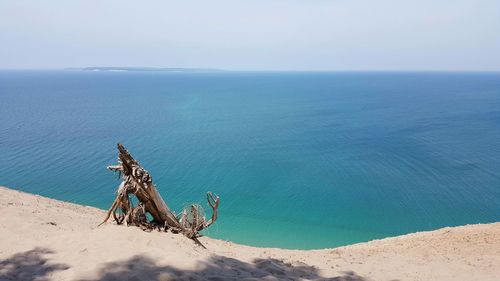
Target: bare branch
x: 138, y: 182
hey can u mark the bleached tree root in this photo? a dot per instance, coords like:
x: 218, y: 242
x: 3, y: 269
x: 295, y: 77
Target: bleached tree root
x: 137, y: 182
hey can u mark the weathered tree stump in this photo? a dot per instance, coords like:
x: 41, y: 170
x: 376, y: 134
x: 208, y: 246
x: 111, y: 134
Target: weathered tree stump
x: 137, y: 182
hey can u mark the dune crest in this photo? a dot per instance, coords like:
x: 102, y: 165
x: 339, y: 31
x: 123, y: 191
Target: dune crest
x: 46, y: 239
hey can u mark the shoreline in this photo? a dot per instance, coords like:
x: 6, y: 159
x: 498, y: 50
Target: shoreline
x: 63, y: 237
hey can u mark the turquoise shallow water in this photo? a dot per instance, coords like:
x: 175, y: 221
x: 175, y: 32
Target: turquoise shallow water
x: 300, y: 160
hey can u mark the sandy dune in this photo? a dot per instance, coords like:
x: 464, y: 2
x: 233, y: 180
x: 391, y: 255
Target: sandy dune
x: 46, y: 239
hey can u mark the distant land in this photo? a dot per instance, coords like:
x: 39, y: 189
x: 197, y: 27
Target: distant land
x: 168, y: 69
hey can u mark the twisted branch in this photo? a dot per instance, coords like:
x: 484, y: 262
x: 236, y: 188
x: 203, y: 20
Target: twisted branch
x: 136, y: 181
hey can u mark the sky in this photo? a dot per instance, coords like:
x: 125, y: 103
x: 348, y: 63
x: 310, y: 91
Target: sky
x: 452, y: 35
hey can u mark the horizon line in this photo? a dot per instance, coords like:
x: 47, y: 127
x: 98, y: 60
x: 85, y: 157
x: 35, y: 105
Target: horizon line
x: 210, y: 69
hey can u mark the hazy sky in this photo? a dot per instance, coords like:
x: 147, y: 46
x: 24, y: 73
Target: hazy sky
x: 253, y: 34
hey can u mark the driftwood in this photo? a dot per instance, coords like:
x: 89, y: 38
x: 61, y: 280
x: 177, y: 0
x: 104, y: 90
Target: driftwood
x: 137, y: 182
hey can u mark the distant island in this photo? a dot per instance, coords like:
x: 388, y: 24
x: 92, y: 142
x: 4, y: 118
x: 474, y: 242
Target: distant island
x: 165, y: 69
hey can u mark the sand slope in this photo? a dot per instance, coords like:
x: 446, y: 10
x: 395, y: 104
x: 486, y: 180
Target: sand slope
x: 46, y: 239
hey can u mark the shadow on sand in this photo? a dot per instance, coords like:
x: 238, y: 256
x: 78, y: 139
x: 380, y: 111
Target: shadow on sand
x: 30, y: 265
x: 33, y: 265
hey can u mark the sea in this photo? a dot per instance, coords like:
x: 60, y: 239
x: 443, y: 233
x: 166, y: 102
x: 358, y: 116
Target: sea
x: 300, y: 160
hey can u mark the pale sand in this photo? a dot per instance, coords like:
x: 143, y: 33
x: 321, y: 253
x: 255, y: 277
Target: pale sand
x: 46, y: 239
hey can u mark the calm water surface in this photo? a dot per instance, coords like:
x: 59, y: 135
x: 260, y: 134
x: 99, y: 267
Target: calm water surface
x: 300, y: 160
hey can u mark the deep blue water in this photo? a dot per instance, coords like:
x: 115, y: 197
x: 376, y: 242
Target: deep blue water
x: 300, y: 160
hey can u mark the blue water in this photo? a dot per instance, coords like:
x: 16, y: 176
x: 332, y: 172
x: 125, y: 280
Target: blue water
x: 300, y: 160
